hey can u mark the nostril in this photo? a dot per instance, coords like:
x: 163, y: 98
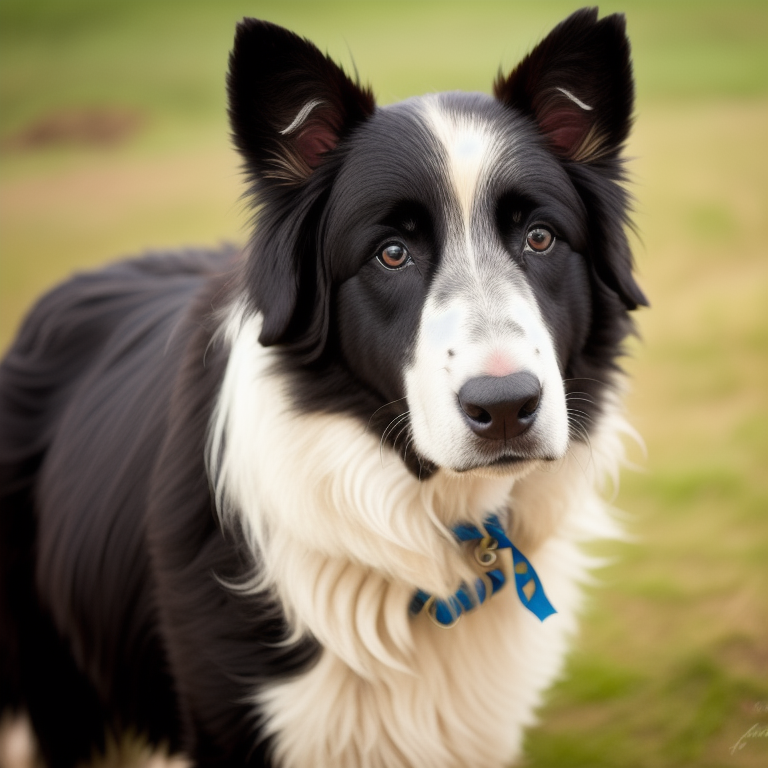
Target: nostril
x: 530, y: 407
x: 475, y: 412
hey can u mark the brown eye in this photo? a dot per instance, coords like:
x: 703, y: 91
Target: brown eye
x: 394, y: 256
x: 539, y: 239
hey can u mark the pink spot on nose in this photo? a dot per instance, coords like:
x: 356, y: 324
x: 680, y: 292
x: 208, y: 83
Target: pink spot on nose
x: 499, y: 364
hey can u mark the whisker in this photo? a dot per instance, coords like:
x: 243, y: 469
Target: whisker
x: 403, y: 428
x: 381, y: 408
x: 575, y: 421
x: 394, y: 424
x: 583, y: 378
x: 576, y: 395
x: 568, y: 399
x: 399, y: 421
x: 408, y: 444
x: 578, y: 460
x: 581, y: 432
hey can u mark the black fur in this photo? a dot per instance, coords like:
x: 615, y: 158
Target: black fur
x: 109, y: 539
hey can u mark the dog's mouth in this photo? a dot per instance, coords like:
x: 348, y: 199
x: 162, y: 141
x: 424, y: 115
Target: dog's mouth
x: 508, y: 461
x: 423, y: 468
x: 511, y: 463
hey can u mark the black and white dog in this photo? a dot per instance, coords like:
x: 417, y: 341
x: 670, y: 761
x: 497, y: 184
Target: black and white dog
x: 246, y: 496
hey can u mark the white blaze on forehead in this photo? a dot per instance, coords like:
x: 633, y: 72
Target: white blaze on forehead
x: 469, y: 146
x: 481, y: 316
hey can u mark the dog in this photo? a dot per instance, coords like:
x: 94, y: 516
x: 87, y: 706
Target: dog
x: 319, y: 501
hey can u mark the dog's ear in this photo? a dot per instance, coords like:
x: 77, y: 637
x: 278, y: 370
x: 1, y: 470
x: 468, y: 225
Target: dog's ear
x: 289, y: 106
x: 288, y: 103
x: 577, y: 85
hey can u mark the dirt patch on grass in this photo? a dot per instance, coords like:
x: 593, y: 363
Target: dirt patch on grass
x: 94, y: 126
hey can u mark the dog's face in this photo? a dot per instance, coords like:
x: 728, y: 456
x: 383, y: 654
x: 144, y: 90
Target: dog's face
x: 452, y: 268
x: 463, y: 289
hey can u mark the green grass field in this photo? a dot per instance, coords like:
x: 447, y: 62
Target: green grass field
x: 671, y: 666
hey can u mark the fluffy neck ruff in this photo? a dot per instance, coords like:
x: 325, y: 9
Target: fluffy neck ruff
x: 344, y: 534
x: 351, y: 506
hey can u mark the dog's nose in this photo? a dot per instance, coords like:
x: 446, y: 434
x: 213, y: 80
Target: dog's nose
x: 500, y: 407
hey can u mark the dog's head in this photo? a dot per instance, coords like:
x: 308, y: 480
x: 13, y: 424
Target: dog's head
x: 453, y: 269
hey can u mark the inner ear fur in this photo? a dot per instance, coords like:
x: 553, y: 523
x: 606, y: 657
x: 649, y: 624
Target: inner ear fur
x: 289, y: 104
x: 577, y: 85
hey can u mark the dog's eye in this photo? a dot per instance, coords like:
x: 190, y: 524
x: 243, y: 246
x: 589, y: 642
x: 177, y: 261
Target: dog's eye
x: 394, y: 256
x: 539, y: 239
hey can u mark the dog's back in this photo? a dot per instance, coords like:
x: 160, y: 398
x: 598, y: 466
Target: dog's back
x: 84, y: 406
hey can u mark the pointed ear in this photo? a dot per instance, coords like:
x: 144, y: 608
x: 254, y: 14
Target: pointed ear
x: 577, y: 85
x: 288, y: 103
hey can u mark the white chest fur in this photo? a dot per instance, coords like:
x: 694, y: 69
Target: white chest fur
x: 346, y: 535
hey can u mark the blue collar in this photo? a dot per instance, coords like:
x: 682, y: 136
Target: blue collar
x: 492, y: 539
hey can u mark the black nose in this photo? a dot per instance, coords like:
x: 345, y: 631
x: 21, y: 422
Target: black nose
x: 500, y: 407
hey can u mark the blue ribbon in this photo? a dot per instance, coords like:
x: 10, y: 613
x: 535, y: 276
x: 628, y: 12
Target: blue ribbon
x: 527, y: 582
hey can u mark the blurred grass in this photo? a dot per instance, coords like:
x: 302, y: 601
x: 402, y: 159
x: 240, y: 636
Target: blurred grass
x: 671, y: 667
